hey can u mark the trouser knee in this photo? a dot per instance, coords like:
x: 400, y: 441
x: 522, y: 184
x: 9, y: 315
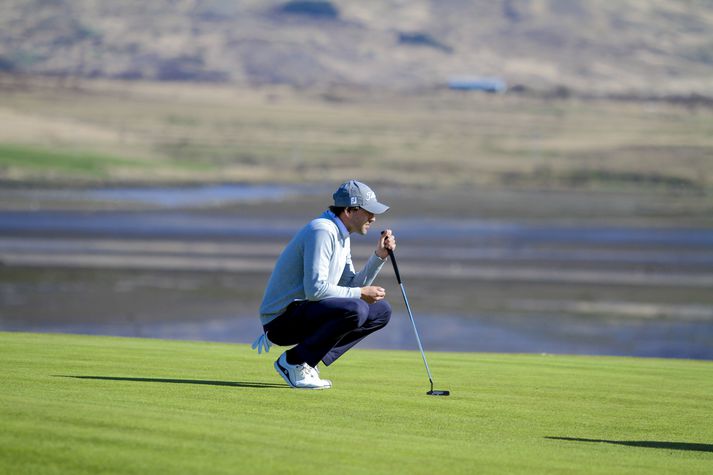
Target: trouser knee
x: 380, y: 313
x: 356, y: 312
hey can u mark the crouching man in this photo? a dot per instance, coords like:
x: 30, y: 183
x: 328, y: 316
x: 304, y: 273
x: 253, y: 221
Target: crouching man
x: 314, y: 298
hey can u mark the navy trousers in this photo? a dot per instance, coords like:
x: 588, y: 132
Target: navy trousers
x: 324, y: 330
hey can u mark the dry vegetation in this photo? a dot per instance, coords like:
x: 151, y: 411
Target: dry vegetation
x: 629, y: 46
x: 102, y: 131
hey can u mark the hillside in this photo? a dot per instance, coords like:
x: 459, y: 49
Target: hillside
x: 80, y: 404
x: 648, y: 47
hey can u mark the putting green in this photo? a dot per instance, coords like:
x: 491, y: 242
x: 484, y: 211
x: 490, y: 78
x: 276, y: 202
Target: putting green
x: 82, y: 404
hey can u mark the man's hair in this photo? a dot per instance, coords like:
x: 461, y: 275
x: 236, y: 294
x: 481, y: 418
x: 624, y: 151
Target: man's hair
x: 337, y: 210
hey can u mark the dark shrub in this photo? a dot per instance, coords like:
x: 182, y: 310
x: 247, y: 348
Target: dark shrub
x: 423, y: 39
x: 323, y: 10
x: 7, y: 65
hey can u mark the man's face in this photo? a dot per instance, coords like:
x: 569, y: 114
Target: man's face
x: 360, y: 220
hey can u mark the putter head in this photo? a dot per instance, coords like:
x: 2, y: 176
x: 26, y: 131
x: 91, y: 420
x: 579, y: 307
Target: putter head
x: 438, y: 392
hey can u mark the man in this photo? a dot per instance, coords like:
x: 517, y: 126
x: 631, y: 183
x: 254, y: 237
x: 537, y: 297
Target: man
x: 315, y: 300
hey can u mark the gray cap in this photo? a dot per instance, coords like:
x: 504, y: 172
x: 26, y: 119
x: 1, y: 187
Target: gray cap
x: 355, y: 193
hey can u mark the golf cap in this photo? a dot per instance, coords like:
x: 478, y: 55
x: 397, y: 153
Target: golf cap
x: 355, y: 193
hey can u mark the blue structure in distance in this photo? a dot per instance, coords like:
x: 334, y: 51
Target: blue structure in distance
x: 486, y: 84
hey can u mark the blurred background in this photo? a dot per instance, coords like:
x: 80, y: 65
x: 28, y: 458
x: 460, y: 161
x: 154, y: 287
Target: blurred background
x: 549, y: 165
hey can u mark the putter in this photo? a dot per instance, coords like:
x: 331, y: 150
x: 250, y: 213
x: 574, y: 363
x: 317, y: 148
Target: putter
x: 432, y: 392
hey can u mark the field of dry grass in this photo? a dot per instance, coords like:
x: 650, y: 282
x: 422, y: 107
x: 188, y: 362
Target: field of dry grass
x: 148, y: 132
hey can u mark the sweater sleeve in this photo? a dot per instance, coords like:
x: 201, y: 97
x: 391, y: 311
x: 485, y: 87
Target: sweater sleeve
x: 366, y: 276
x: 319, y: 247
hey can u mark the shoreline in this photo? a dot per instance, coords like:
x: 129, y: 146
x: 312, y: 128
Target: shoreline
x: 555, y: 207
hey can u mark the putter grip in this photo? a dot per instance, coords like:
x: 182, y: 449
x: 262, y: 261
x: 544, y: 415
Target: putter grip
x: 396, y: 267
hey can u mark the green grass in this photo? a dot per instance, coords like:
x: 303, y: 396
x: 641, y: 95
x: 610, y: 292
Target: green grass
x: 79, y: 404
x: 43, y: 162
x: 83, y: 164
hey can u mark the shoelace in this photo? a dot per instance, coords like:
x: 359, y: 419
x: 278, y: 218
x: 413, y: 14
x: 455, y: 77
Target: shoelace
x: 305, y: 370
x: 261, y: 343
x: 315, y: 373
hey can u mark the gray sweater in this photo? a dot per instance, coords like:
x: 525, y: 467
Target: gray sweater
x: 316, y: 265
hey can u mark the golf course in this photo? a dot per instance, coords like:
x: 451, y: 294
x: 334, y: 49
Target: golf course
x: 529, y: 237
x: 87, y: 404
x: 548, y: 171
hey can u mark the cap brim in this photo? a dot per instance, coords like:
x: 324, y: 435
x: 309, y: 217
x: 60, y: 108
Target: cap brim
x: 376, y: 207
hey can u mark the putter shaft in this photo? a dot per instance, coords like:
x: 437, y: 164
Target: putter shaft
x: 415, y: 331
x: 413, y: 323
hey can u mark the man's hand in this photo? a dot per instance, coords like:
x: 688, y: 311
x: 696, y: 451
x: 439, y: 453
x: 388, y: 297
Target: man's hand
x: 387, y: 240
x: 372, y: 294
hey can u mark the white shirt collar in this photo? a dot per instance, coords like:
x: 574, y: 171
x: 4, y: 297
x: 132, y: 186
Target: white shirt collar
x: 342, y: 228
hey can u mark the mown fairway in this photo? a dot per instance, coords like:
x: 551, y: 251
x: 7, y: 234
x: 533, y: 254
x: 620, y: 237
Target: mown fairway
x: 78, y: 404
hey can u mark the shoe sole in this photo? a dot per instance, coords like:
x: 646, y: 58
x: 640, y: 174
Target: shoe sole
x: 281, y: 371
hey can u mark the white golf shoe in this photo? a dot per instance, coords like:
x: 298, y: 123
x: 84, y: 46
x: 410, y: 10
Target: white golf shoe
x: 316, y: 374
x: 300, y: 376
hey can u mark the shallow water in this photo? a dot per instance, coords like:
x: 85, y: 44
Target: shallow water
x: 166, y: 197
x: 581, y: 263
x: 182, y: 224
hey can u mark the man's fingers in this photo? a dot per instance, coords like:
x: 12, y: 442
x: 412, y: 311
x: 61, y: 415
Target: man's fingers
x: 373, y: 294
x: 388, y: 239
x: 379, y: 293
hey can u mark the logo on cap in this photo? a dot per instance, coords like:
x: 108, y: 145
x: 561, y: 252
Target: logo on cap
x: 370, y: 195
x: 355, y: 200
